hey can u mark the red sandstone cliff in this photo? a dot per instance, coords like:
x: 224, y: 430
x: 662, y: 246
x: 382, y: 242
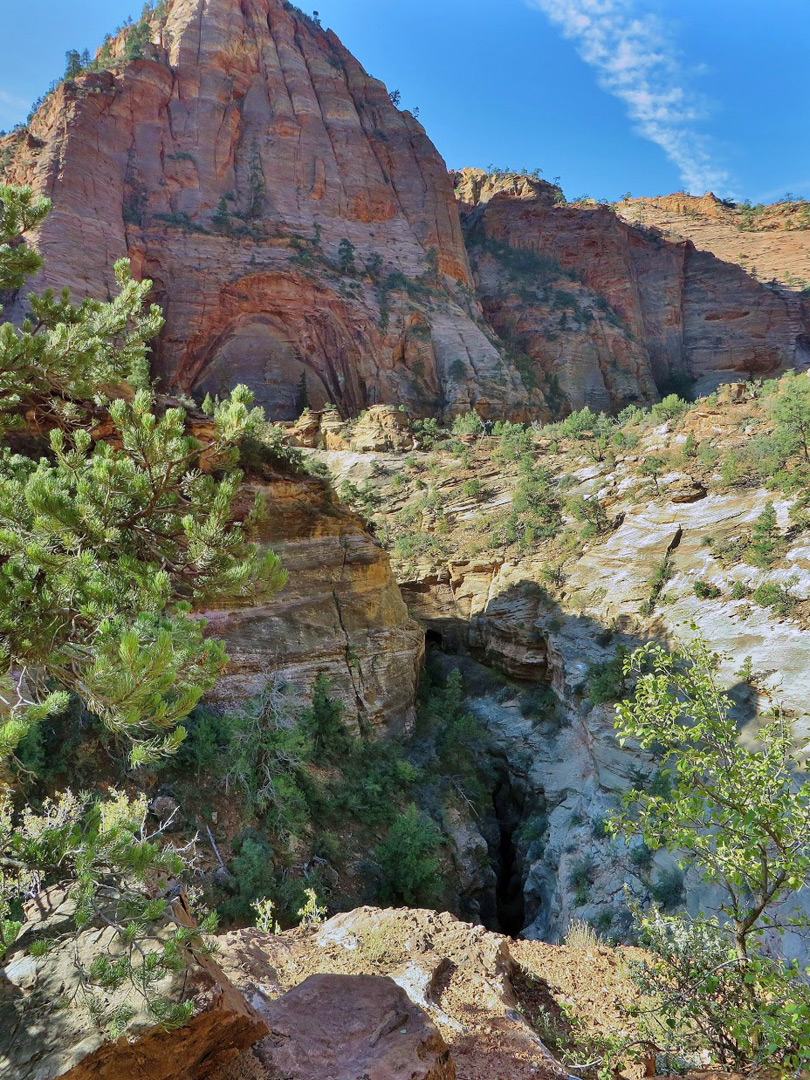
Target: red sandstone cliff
x: 303, y: 238
x: 608, y: 312
x: 229, y: 165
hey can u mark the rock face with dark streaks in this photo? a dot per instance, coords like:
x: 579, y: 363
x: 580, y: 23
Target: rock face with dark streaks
x: 301, y: 231
x: 604, y: 313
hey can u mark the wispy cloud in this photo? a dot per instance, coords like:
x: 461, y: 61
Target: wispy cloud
x: 12, y: 108
x: 637, y: 61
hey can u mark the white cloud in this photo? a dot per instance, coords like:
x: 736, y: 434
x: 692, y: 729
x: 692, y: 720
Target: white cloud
x: 636, y: 61
x: 13, y: 109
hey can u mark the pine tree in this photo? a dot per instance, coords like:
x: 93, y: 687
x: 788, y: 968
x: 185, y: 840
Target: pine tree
x: 73, y: 63
x: 763, y: 537
x: 120, y: 523
x: 346, y: 252
x: 302, y: 393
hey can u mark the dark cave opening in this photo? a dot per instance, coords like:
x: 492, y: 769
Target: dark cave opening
x: 510, y: 909
x: 497, y: 897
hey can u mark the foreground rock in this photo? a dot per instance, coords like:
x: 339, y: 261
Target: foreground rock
x: 47, y: 1031
x: 466, y: 980
x: 349, y: 1026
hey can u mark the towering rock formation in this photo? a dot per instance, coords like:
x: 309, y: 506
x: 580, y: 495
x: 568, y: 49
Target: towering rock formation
x: 300, y: 230
x: 303, y: 237
x: 606, y: 312
x: 771, y: 243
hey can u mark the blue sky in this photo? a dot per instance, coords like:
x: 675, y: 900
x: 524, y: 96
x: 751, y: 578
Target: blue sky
x: 646, y: 96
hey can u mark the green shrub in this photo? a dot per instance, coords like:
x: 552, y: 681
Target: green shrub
x: 778, y: 597
x: 428, y: 432
x: 209, y: 735
x: 468, y: 423
x: 606, y: 680
x: 641, y: 856
x: 459, y: 734
x: 652, y: 467
x: 532, y: 829
x: 740, y: 816
x: 667, y: 889
x: 580, y: 878
x: 760, y: 551
x: 661, y: 574
x: 705, y: 1001
x: 345, y: 257
x: 705, y: 590
x: 599, y: 826
x: 536, y: 507
x: 408, y: 860
x: 323, y: 727
x: 707, y: 455
x: 253, y: 875
x: 659, y: 785
x: 730, y: 468
x: 670, y: 408
x: 791, y: 411
x: 538, y: 701
x: 138, y: 40
x: 631, y: 415
x: 418, y: 542
x: 592, y: 513
x: 515, y: 441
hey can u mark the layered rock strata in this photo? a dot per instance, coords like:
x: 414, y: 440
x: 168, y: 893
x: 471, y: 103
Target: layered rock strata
x: 772, y: 243
x: 300, y: 230
x: 340, y: 615
x: 602, y: 312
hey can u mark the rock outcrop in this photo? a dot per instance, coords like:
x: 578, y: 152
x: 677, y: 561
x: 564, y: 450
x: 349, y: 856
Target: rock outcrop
x: 340, y: 615
x: 378, y: 428
x: 451, y: 977
x: 349, y: 1026
x: 47, y: 1028
x: 603, y: 312
x: 770, y: 242
x: 300, y: 230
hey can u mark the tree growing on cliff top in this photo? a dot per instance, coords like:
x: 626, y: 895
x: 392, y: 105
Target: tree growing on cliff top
x: 791, y: 412
x: 742, y: 816
x: 117, y: 517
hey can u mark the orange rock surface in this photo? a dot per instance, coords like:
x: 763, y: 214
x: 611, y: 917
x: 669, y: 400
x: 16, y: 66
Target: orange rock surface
x: 303, y: 237
x: 618, y: 310
x: 230, y: 164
